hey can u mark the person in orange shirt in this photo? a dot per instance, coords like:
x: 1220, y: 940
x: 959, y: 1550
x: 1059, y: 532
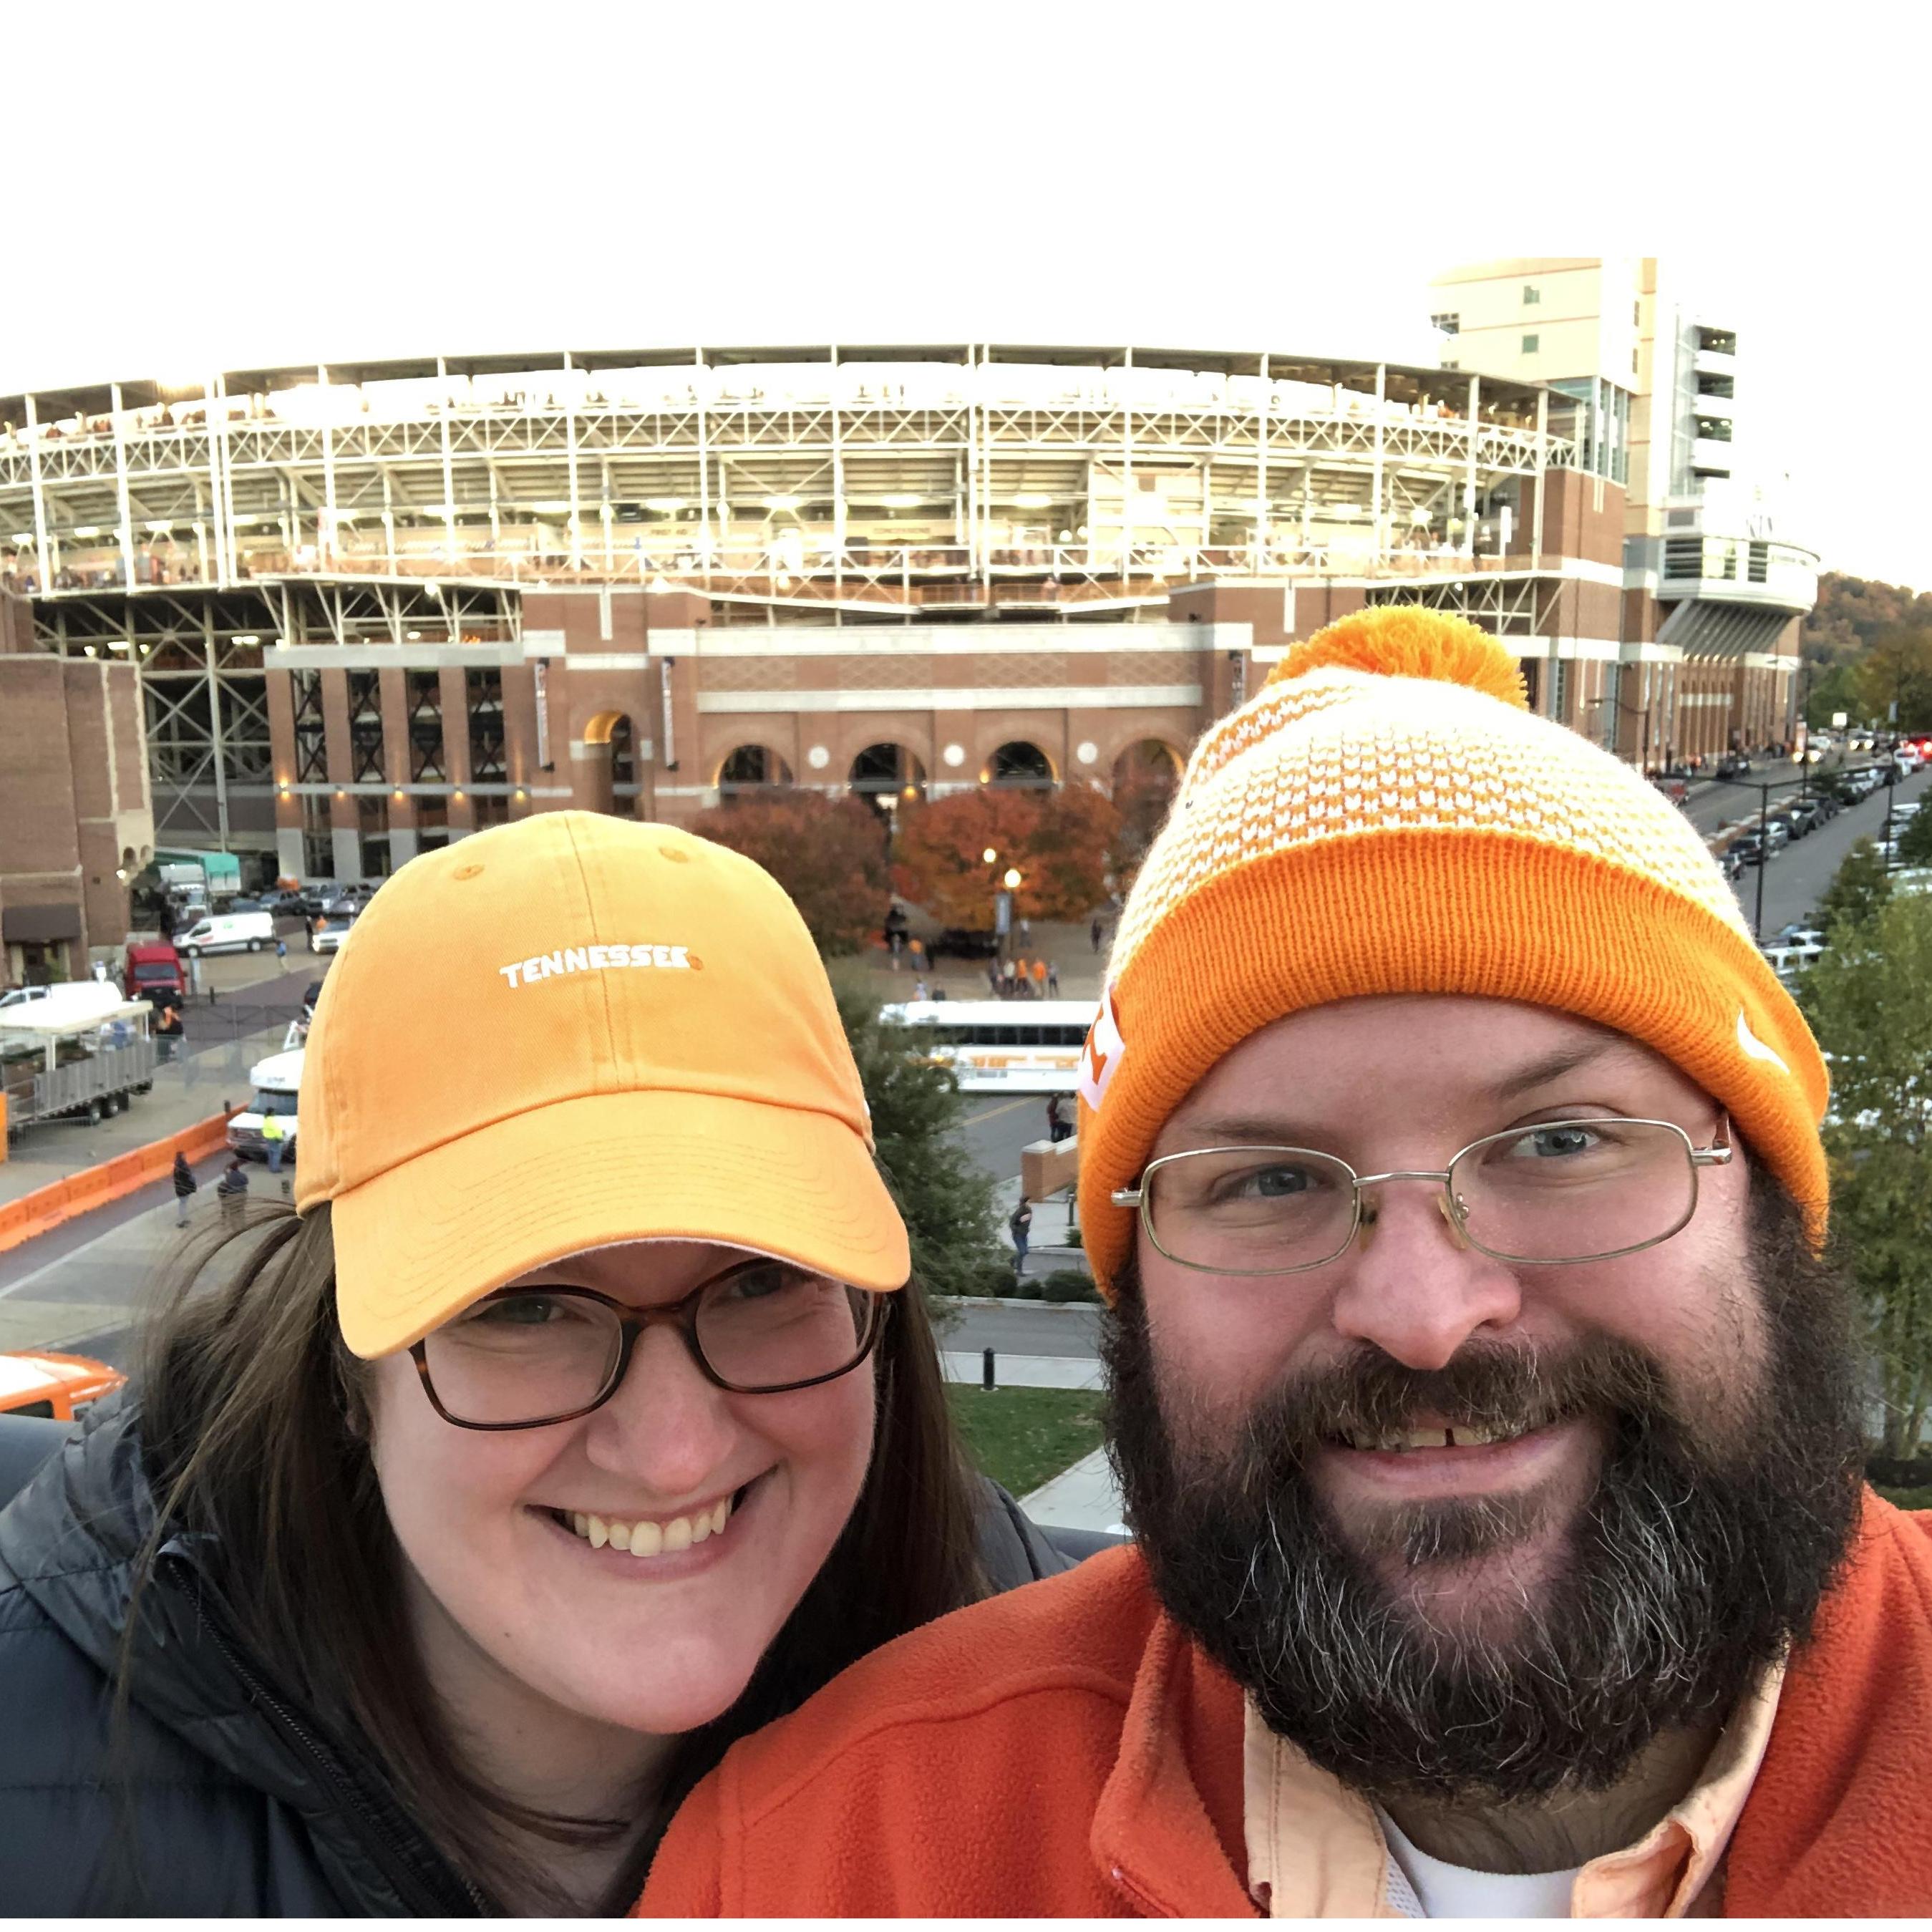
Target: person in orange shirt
x: 1486, y: 1416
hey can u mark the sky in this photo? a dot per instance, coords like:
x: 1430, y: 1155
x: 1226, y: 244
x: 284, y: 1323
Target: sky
x: 222, y: 186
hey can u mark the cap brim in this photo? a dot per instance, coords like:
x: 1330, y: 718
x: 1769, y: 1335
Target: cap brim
x: 419, y: 1243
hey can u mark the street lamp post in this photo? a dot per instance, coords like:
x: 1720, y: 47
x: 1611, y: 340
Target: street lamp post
x: 1764, y: 788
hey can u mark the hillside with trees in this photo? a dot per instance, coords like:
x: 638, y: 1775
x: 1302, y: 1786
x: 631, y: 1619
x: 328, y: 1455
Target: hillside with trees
x: 1866, y: 645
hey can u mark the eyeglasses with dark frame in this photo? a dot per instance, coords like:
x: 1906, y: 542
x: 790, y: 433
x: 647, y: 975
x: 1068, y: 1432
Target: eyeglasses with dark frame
x: 799, y: 1324
x: 1219, y: 1207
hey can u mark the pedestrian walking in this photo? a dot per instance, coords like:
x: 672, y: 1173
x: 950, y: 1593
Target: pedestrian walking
x: 1007, y: 974
x: 1052, y: 980
x: 185, y: 1186
x: 1094, y: 932
x: 916, y: 952
x: 1019, y: 1224
x: 919, y: 992
x: 1039, y: 978
x: 281, y: 948
x: 232, y: 1189
x: 1057, y: 1125
x: 993, y: 977
x: 274, y: 1139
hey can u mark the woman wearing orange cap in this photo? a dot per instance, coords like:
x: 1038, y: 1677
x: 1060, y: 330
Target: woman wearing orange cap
x: 581, y: 1423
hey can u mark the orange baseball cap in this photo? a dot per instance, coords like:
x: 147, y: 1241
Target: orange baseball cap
x: 571, y: 1031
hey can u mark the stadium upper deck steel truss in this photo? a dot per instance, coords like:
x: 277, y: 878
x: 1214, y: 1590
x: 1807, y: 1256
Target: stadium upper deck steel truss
x: 878, y: 481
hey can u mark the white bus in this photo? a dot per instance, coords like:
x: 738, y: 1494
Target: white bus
x: 1004, y: 1046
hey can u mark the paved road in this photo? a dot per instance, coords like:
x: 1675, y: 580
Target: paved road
x: 1796, y: 879
x: 1025, y: 1330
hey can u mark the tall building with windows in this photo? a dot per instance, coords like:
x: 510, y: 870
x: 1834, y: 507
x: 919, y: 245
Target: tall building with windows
x: 1714, y: 592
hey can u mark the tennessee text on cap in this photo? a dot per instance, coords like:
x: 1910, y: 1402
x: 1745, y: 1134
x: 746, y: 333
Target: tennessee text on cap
x: 1386, y: 816
x: 571, y: 1031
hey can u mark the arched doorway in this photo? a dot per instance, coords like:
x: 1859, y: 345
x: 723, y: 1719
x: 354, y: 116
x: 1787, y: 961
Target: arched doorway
x: 610, y: 732
x: 1019, y: 766
x: 1146, y: 776
x: 751, y: 768
x: 886, y: 776
x: 1148, y: 762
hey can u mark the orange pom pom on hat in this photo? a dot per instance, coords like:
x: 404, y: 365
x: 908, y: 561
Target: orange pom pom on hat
x: 1386, y: 816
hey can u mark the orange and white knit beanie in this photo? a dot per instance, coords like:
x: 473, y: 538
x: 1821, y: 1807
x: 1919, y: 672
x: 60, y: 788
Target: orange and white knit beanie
x: 1386, y: 816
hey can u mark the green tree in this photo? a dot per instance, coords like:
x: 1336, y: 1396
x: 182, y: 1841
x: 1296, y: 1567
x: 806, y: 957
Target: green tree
x: 917, y: 1118
x: 1870, y: 999
x: 1835, y: 689
x: 1915, y: 842
x: 1860, y: 888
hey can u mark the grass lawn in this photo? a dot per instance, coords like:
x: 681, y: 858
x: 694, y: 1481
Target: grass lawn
x: 1021, y: 1437
x: 1911, y: 1499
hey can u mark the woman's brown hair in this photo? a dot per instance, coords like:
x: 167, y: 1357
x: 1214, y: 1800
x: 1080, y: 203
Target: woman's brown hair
x: 254, y: 1429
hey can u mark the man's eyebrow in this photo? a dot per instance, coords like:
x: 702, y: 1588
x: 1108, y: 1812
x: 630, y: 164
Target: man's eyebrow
x: 1265, y: 1130
x: 1554, y: 1065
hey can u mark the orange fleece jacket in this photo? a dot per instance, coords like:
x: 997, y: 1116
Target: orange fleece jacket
x: 1064, y: 1750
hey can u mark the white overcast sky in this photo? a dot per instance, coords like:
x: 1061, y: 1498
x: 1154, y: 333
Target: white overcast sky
x: 221, y: 186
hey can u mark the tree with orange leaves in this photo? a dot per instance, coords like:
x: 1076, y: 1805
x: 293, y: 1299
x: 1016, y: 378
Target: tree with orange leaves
x: 829, y: 854
x: 1059, y: 841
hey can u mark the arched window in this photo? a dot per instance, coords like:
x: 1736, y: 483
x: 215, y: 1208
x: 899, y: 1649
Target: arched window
x: 1019, y: 766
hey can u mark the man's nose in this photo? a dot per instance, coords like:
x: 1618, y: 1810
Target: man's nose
x: 667, y: 1428
x: 1413, y: 1284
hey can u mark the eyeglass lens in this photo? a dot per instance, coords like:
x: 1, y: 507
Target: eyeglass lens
x: 539, y: 1353
x: 1558, y: 1190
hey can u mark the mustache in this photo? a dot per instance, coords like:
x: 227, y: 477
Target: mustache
x: 1508, y: 1389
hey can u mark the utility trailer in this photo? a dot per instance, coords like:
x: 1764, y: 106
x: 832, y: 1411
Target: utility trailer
x: 82, y: 1058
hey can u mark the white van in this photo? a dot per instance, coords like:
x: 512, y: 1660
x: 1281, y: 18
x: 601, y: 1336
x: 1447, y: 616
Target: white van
x: 227, y: 932
x: 277, y: 1083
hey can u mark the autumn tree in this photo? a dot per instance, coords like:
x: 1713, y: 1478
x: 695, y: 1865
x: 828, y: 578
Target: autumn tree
x: 1059, y: 842
x: 829, y: 854
x: 1897, y: 669
x: 1869, y: 999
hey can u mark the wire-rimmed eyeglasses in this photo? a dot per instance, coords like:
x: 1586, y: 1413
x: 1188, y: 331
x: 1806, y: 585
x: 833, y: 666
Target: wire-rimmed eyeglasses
x: 1551, y: 1193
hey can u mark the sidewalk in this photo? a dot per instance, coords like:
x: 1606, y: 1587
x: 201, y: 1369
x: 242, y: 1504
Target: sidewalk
x: 1084, y: 1497
x: 1068, y: 945
x: 190, y: 1088
x: 967, y: 1366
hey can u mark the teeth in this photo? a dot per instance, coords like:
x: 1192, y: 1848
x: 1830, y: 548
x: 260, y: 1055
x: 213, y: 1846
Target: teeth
x: 1464, y: 1436
x: 647, y: 1538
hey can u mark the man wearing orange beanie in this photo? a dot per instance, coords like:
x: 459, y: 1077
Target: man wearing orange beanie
x: 1487, y: 1418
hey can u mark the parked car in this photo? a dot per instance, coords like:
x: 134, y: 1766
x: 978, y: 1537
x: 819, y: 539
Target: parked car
x: 1746, y: 849
x: 1799, y: 934
x: 329, y: 936
x: 286, y: 903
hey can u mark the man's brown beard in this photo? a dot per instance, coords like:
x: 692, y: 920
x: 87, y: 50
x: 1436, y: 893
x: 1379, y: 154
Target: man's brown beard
x: 1703, y: 1551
